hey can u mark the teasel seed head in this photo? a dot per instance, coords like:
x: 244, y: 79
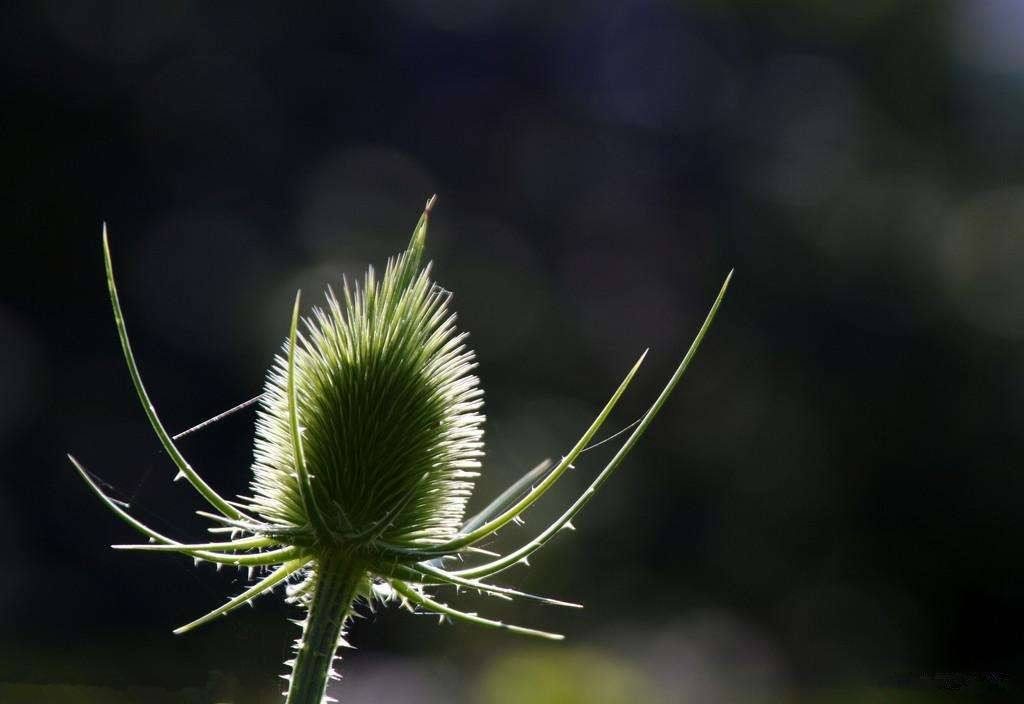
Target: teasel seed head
x: 391, y: 427
x: 368, y: 439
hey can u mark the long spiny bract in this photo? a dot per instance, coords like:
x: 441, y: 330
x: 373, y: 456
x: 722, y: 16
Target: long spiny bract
x: 368, y: 440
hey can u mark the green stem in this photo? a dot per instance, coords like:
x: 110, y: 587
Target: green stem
x: 335, y: 590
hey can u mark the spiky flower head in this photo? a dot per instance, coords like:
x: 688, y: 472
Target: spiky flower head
x: 391, y: 429
x: 368, y: 439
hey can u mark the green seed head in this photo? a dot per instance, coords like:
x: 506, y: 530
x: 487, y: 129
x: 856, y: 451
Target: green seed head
x: 388, y: 409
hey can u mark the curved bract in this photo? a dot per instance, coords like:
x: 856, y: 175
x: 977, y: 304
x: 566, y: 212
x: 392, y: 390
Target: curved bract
x: 368, y: 439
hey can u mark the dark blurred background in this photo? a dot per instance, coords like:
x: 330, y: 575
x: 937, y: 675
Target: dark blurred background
x: 829, y: 508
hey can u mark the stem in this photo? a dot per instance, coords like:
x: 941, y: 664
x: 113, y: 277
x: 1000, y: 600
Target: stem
x: 337, y: 582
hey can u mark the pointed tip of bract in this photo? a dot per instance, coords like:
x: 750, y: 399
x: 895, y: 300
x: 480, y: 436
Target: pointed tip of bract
x: 108, y: 264
x: 419, y: 233
x: 78, y: 466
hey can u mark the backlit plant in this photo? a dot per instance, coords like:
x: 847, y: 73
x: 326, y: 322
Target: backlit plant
x: 368, y: 441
